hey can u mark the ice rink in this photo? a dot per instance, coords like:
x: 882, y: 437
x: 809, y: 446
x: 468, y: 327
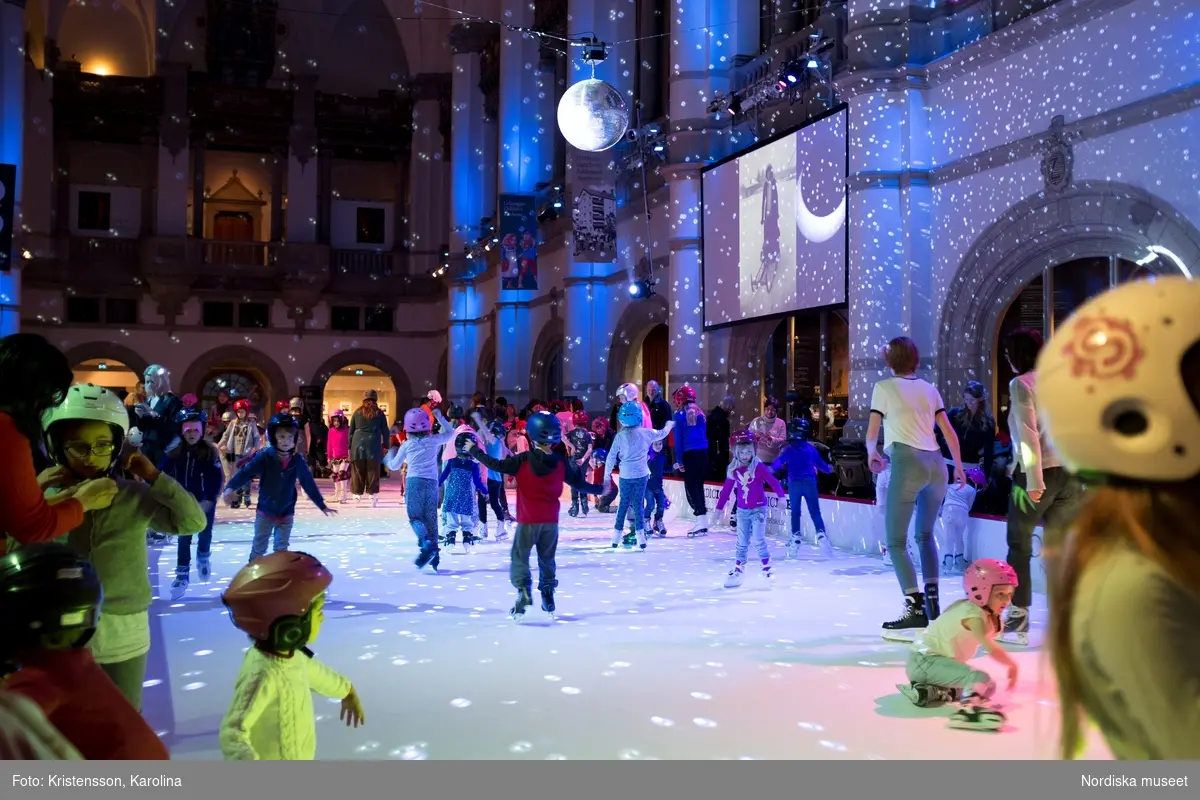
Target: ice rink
x: 650, y: 658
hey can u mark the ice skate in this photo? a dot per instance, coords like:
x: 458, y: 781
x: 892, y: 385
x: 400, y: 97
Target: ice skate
x: 971, y: 717
x: 640, y: 539
x: 358, y: 499
x: 824, y: 545
x: 924, y: 695
x: 767, y: 575
x: 524, y: 601
x: 179, y: 586
x: 237, y: 503
x: 427, y: 557
x: 700, y: 526
x: 548, y: 602
x: 1016, y: 626
x: 629, y: 540
x: 461, y: 546
x: 501, y: 533
x: 583, y: 509
x: 933, y: 608
x: 204, y: 567
x: 469, y: 541
x: 793, y: 547
x: 660, y: 530
x: 573, y: 511
x: 913, y: 620
x: 887, y: 557
x: 734, y: 579
x: 481, y: 531
x: 374, y: 501
x: 947, y: 565
x: 616, y: 540
x: 249, y: 502
x: 960, y: 565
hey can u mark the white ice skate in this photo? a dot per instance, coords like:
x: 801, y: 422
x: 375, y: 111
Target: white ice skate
x: 768, y: 576
x: 481, y: 530
x: 501, y: 532
x: 700, y: 526
x: 179, y: 587
x: 616, y: 540
x: 824, y: 545
x: 971, y: 717
x: 793, y: 547
x: 734, y: 579
x: 641, y: 539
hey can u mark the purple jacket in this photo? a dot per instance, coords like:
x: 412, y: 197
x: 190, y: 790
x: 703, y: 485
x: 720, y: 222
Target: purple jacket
x: 749, y: 485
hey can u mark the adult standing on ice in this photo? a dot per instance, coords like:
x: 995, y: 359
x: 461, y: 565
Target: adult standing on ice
x: 369, y: 438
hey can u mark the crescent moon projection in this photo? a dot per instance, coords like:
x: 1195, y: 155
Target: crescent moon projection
x: 817, y: 229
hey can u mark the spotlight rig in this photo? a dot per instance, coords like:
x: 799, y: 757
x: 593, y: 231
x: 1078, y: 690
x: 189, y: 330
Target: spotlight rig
x: 642, y: 289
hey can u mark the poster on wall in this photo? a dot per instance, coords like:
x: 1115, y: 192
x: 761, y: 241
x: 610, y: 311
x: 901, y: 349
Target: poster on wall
x: 8, y: 194
x: 594, y: 210
x: 518, y: 242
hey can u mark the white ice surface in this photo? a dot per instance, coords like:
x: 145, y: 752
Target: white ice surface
x: 649, y: 659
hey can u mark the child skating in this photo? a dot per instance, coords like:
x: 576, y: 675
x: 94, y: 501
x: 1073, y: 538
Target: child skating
x: 195, y: 464
x: 656, y: 497
x: 420, y: 452
x: 956, y: 512
x: 937, y: 667
x: 803, y: 461
x: 580, y: 444
x: 879, y: 515
x: 540, y: 473
x: 278, y: 601
x: 747, y: 484
x: 279, y: 468
x: 238, y: 444
x: 492, y: 432
x: 461, y: 479
x: 630, y: 449
x: 337, y: 451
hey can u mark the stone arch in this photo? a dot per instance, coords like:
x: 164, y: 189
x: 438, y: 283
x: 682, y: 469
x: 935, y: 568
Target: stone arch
x: 485, y: 371
x: 235, y: 357
x: 549, y: 342
x: 637, y: 320
x: 1092, y: 219
x: 385, y: 364
x: 747, y: 346
x: 123, y: 32
x: 361, y: 54
x: 117, y: 352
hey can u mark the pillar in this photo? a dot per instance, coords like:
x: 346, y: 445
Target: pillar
x: 429, y: 173
x: 12, y: 136
x: 400, y: 178
x: 465, y: 336
x: 37, y: 190
x: 686, y: 318
x: 199, y: 187
x: 302, y: 166
x: 588, y: 324
x: 174, y: 159
x: 514, y: 349
x: 891, y: 273
x: 279, y: 162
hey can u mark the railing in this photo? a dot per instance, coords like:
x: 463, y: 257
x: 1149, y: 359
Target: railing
x: 366, y: 263
x: 102, y: 251
x: 240, y: 254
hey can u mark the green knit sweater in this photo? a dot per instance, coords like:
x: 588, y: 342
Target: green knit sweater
x: 114, y: 538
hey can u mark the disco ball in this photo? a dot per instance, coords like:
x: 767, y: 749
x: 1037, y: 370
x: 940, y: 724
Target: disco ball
x: 592, y: 115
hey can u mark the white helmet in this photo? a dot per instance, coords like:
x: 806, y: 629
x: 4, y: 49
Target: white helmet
x: 1110, y: 383
x: 434, y: 396
x: 629, y: 392
x: 88, y: 402
x: 295, y: 402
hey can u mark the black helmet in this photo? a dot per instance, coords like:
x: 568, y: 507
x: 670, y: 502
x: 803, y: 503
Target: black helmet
x: 456, y: 413
x: 50, y: 597
x: 191, y: 415
x: 542, y: 427
x: 282, y: 420
x: 798, y: 429
x: 464, y: 442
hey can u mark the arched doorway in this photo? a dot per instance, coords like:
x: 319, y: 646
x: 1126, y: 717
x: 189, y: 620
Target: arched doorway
x: 546, y: 369
x: 485, y: 374
x: 109, y: 373
x: 627, y: 355
x: 654, y: 355
x: 344, y: 377
x: 244, y: 368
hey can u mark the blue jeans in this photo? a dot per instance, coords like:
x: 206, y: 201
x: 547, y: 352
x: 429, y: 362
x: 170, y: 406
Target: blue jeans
x: 918, y: 482
x: 183, y: 560
x: 421, y: 497
x: 805, y: 490
x: 264, y: 527
x: 752, y: 526
x: 633, y: 497
x: 656, y: 500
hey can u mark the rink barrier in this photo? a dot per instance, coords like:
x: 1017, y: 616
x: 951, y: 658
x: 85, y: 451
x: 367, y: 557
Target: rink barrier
x: 853, y: 525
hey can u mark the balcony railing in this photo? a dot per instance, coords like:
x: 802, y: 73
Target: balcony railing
x: 239, y: 254
x: 102, y: 251
x: 367, y: 263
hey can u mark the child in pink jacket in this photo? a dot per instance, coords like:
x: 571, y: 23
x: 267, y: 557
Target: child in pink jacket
x: 748, y: 478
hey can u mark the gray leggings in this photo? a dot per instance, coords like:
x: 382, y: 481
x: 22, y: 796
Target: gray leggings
x: 128, y: 676
x: 918, y: 480
x: 947, y: 673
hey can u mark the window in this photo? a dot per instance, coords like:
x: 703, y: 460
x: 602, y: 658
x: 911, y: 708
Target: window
x: 84, y: 310
x: 371, y: 225
x: 120, y: 311
x: 217, y: 314
x: 345, y: 318
x: 379, y: 319
x: 95, y: 211
x: 254, y: 315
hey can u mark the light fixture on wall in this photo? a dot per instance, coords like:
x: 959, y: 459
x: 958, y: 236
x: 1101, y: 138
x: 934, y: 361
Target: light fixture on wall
x: 642, y: 289
x: 100, y: 68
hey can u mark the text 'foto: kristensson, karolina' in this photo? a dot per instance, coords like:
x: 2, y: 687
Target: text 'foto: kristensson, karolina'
x: 1092, y: 781
x: 97, y: 782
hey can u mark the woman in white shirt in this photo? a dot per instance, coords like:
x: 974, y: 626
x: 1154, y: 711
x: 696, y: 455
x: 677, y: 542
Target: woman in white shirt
x: 908, y: 408
x: 1043, y: 491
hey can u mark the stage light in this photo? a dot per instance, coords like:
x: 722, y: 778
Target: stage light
x: 813, y: 63
x: 640, y: 290
x: 659, y: 147
x: 558, y: 203
x: 735, y: 106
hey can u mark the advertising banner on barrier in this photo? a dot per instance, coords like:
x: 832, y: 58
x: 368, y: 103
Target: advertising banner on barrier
x: 518, y: 242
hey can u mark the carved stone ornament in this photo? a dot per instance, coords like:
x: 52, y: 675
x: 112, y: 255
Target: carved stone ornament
x: 1058, y: 157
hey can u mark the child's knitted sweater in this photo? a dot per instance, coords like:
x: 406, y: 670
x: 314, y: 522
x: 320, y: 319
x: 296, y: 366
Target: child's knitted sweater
x: 421, y: 452
x: 271, y: 715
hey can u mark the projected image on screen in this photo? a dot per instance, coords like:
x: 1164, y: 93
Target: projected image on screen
x: 775, y: 226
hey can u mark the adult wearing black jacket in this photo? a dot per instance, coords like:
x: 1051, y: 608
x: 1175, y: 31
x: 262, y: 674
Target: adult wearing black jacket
x: 976, y: 431
x: 718, y: 440
x: 660, y: 413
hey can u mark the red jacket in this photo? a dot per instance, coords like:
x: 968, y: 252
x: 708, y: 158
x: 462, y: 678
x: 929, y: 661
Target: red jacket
x: 540, y: 478
x: 88, y: 709
x: 24, y: 513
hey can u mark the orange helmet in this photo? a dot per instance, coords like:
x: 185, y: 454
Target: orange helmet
x: 271, y: 597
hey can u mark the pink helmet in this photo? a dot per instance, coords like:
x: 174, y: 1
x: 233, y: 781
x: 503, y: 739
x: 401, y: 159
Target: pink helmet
x: 416, y: 421
x: 982, y: 575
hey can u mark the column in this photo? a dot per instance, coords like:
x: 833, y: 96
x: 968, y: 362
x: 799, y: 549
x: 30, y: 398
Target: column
x: 429, y: 173
x: 514, y: 349
x: 468, y: 204
x: 302, y: 168
x: 591, y: 316
x: 399, y: 204
x: 279, y: 161
x: 174, y: 160
x: 12, y: 135
x: 686, y: 320
x: 199, y: 185
x: 890, y: 250
x: 700, y: 69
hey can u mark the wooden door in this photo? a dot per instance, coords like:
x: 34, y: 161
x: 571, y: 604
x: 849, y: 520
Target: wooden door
x: 655, y: 357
